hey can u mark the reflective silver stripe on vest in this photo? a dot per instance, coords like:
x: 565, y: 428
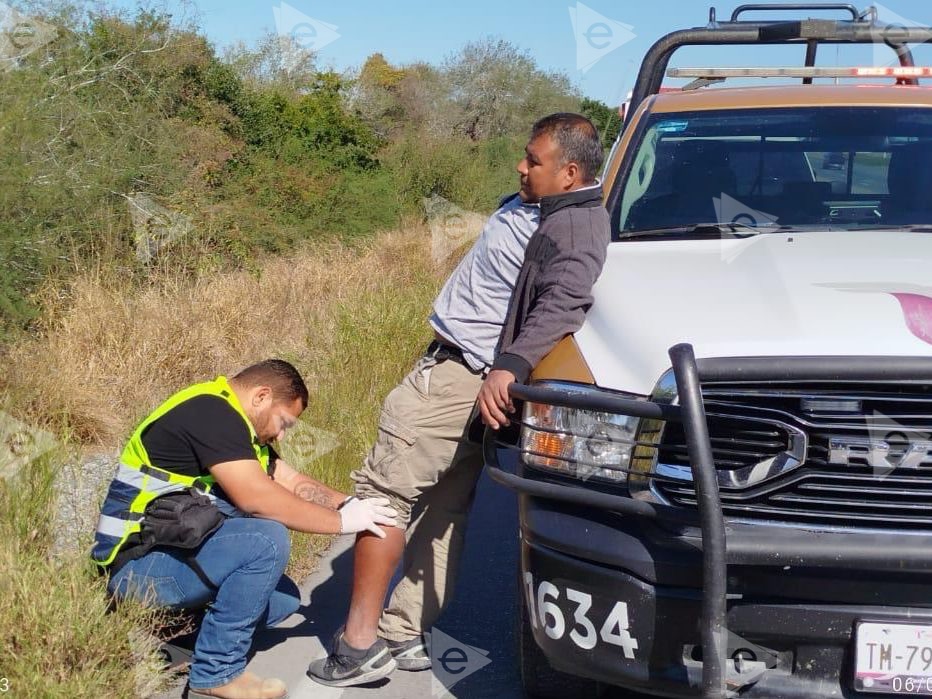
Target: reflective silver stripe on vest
x: 151, y: 481
x: 141, y: 481
x: 112, y: 526
x: 147, y: 480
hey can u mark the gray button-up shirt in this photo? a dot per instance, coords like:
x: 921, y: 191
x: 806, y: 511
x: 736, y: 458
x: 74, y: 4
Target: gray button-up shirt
x: 470, y: 309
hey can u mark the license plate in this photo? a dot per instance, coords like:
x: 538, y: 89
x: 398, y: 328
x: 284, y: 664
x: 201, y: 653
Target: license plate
x: 893, y: 658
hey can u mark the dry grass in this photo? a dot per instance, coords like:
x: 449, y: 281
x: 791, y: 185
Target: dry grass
x: 56, y: 633
x: 63, y: 641
x: 352, y: 320
x: 107, y: 354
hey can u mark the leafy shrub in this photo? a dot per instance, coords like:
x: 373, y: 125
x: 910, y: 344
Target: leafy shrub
x: 261, y: 151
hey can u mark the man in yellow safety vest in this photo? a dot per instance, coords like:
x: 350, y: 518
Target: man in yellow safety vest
x: 199, y: 510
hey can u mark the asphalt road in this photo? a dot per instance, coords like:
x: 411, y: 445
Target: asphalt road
x: 478, y: 625
x: 481, y: 616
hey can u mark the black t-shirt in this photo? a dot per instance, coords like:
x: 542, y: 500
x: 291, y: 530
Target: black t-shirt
x: 201, y: 432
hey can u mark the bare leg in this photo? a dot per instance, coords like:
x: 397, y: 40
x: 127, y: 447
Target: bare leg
x: 374, y: 563
x: 420, y: 430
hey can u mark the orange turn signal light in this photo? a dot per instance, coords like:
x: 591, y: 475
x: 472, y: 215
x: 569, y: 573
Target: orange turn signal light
x: 547, y: 444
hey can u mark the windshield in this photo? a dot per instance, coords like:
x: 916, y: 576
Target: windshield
x: 777, y: 169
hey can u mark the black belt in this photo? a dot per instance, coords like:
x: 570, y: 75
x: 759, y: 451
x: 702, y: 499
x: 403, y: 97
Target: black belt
x: 442, y: 352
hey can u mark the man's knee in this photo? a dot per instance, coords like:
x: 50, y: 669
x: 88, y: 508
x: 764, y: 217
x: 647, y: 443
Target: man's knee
x: 383, y: 473
x: 272, y: 540
x: 278, y: 535
x: 365, y: 488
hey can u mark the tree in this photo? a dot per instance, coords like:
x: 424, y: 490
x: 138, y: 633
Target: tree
x: 374, y: 95
x: 378, y: 72
x: 424, y: 102
x: 605, y: 119
x: 497, y: 89
x: 277, y: 61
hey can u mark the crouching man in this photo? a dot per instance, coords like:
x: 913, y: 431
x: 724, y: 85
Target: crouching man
x: 199, y: 512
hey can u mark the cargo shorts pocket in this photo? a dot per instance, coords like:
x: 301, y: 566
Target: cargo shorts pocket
x: 420, y: 376
x: 392, y: 445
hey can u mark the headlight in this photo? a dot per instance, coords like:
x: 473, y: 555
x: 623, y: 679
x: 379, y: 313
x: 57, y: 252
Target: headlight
x: 580, y: 443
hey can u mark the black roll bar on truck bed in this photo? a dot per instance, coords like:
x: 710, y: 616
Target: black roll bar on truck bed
x: 861, y: 28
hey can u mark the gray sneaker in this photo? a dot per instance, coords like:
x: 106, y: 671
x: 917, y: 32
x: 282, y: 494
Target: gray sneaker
x: 347, y: 666
x: 411, y: 655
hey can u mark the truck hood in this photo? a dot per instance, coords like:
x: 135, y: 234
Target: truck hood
x: 788, y: 294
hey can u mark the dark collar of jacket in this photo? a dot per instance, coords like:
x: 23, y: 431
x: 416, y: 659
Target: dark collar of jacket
x: 585, y: 197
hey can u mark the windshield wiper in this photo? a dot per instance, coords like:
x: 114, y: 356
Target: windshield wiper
x: 733, y: 229
x: 908, y: 227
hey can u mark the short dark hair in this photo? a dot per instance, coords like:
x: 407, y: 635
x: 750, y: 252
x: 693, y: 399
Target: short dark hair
x: 284, y: 380
x: 576, y: 137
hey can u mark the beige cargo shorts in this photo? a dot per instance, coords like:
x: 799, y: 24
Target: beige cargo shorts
x: 421, y: 434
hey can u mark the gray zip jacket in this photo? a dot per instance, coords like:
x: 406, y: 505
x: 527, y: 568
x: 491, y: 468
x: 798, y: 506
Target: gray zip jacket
x: 554, y: 288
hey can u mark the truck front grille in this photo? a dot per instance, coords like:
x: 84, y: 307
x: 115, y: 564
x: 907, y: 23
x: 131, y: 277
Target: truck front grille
x: 867, y: 459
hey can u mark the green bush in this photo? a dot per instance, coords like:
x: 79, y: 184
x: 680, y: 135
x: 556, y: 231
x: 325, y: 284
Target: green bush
x: 260, y: 155
x: 473, y: 175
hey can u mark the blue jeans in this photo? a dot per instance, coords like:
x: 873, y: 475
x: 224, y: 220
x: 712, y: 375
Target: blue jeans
x: 245, y: 558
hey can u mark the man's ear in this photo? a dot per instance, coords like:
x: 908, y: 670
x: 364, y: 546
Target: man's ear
x: 571, y: 173
x: 260, y: 394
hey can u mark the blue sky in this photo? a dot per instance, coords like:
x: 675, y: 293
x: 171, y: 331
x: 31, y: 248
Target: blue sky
x: 430, y: 30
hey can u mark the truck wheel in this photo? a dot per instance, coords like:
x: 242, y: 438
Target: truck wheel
x: 539, y: 679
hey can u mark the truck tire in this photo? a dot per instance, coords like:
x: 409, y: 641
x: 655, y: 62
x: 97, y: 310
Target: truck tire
x: 539, y: 679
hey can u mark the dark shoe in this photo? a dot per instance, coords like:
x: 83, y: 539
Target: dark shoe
x: 177, y: 638
x: 411, y: 655
x: 175, y: 657
x: 347, y: 666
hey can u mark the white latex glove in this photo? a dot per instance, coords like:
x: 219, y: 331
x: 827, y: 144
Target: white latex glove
x: 365, y: 515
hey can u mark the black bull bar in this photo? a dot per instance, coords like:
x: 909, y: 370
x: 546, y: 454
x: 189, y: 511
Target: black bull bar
x: 691, y: 413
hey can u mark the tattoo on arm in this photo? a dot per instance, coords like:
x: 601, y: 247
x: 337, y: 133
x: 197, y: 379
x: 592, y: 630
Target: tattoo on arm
x: 313, y: 493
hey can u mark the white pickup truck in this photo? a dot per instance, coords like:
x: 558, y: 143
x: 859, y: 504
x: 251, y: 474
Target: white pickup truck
x: 725, y: 476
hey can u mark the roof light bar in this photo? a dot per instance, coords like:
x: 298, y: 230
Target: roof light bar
x: 797, y: 72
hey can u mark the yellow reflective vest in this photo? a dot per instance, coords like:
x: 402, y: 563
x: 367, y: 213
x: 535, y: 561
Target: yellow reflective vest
x: 137, y: 482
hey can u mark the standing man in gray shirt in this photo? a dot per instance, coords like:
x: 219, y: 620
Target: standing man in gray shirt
x: 422, y: 460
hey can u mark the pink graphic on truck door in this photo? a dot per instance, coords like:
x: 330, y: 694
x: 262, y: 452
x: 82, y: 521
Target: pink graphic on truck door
x: 917, y: 310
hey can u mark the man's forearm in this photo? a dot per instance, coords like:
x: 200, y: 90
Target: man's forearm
x: 515, y: 363
x: 314, y: 491
x: 558, y: 308
x: 269, y: 500
x: 299, y: 516
x: 545, y: 327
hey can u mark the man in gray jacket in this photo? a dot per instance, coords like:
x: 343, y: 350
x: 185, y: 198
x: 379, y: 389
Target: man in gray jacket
x: 422, y: 461
x: 561, y: 263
